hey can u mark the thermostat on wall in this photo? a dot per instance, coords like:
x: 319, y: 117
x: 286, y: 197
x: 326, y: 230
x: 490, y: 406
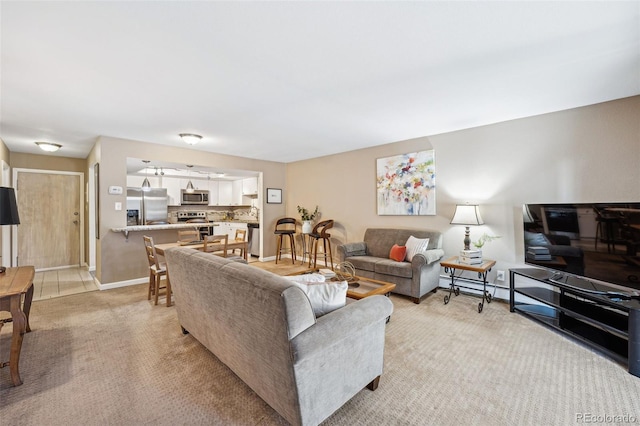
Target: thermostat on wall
x: 115, y: 190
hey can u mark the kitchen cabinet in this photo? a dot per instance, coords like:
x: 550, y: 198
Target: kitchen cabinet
x: 236, y: 193
x: 173, y: 186
x: 225, y: 193
x: 250, y: 186
x: 228, y: 228
x: 213, y: 192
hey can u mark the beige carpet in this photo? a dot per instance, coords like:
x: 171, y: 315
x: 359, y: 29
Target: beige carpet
x: 111, y: 357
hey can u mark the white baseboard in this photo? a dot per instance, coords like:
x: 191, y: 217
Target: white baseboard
x: 121, y: 283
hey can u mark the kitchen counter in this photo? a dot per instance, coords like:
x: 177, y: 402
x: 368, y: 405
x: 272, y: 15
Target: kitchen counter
x: 125, y: 230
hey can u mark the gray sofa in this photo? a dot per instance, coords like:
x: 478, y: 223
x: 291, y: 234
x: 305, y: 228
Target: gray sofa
x: 263, y: 328
x: 371, y: 260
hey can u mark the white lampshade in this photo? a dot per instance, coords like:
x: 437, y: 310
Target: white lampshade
x: 190, y: 138
x: 467, y: 214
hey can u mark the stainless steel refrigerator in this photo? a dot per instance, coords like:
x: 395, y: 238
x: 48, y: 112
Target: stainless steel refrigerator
x: 149, y: 206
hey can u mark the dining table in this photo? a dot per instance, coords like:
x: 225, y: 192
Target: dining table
x: 231, y: 245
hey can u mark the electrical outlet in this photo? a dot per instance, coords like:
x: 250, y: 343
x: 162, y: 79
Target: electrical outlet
x: 500, y: 276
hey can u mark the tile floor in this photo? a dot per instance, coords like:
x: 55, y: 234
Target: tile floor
x: 62, y: 282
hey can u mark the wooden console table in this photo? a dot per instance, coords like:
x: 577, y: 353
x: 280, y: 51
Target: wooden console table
x: 14, y: 283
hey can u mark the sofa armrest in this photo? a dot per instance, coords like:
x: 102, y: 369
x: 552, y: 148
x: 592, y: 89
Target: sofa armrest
x: 426, y: 258
x: 342, y: 325
x: 351, y: 249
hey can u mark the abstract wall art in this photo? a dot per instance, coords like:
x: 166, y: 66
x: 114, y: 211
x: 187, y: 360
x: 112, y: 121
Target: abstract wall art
x: 406, y: 184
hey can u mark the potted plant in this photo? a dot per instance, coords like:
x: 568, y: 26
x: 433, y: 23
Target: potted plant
x: 485, y: 238
x: 307, y: 218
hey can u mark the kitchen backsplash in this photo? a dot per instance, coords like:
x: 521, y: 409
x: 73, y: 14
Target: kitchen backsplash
x: 217, y: 214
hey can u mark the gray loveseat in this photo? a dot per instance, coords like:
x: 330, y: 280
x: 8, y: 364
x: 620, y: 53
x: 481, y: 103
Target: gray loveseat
x: 371, y: 260
x: 263, y: 328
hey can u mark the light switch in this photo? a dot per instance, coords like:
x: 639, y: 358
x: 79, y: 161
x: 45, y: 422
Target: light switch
x: 118, y: 206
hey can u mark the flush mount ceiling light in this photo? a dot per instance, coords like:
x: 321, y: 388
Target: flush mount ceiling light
x: 190, y: 138
x: 48, y: 146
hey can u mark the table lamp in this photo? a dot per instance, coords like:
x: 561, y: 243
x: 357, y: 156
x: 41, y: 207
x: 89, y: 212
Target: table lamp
x: 8, y: 210
x: 467, y: 214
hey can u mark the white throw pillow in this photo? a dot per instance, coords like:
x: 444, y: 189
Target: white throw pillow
x: 325, y: 297
x: 415, y: 246
x: 309, y: 278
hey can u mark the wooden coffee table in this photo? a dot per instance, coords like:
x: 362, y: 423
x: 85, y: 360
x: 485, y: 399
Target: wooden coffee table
x: 365, y: 287
x: 360, y: 287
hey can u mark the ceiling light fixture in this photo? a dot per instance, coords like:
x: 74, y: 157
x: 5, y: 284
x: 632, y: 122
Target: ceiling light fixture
x: 190, y: 188
x: 190, y: 138
x: 145, y: 183
x: 48, y: 146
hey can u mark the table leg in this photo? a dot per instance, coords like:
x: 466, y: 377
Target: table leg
x: 26, y: 306
x: 19, y: 329
x: 485, y: 294
x: 168, y: 288
x: 452, y: 288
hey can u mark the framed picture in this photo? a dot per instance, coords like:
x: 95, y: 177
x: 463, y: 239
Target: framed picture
x: 274, y: 196
x: 406, y: 184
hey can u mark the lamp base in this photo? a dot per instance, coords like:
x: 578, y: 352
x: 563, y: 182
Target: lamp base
x: 467, y: 238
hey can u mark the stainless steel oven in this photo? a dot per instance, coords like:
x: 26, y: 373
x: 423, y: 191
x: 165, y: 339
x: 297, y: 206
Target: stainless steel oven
x: 193, y: 216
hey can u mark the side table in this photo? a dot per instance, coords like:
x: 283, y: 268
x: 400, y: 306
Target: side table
x: 14, y: 283
x: 452, y: 264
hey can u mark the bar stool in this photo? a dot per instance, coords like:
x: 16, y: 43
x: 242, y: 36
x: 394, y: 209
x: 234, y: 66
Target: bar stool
x: 320, y: 233
x: 286, y: 227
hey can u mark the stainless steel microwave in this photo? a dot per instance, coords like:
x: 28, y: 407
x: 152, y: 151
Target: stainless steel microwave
x: 196, y: 197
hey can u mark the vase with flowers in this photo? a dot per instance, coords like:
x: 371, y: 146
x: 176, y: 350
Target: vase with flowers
x: 307, y: 218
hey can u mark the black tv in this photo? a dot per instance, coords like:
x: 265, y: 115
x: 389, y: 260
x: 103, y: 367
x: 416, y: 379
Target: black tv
x: 597, y: 243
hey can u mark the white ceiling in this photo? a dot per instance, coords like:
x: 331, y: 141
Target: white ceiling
x: 285, y: 81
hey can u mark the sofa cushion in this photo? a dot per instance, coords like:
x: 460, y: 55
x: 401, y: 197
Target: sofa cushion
x: 379, y: 240
x: 364, y: 263
x: 391, y: 267
x: 398, y: 253
x: 415, y: 246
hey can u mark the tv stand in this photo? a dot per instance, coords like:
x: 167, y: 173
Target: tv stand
x: 603, y: 317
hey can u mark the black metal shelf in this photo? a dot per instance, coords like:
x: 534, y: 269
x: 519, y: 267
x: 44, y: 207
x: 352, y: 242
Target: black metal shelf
x: 610, y: 327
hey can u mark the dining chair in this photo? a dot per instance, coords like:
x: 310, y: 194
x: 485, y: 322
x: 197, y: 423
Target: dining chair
x: 320, y: 233
x: 188, y: 235
x: 216, y: 244
x: 241, y: 236
x: 286, y: 227
x: 157, y: 270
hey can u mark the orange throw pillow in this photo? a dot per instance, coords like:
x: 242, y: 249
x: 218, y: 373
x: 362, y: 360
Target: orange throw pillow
x: 398, y: 253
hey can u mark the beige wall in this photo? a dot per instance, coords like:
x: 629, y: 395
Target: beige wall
x: 48, y: 162
x: 113, y: 249
x: 579, y: 155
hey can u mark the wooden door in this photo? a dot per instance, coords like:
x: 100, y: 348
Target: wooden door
x: 49, y: 209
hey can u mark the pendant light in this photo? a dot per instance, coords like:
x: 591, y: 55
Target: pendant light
x: 145, y: 183
x: 190, y: 188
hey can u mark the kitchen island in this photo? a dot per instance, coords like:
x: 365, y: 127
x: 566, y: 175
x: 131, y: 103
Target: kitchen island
x: 126, y: 247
